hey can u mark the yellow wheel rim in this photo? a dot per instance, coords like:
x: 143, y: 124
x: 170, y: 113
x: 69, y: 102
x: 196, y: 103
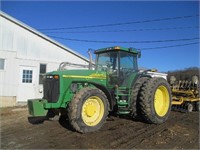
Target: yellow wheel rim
x: 161, y: 101
x: 92, y: 111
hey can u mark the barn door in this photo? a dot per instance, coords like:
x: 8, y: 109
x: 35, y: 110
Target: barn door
x: 27, y: 83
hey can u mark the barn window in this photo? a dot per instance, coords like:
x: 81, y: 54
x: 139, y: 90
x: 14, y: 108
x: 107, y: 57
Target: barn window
x: 27, y: 76
x: 2, y: 64
x: 42, y: 72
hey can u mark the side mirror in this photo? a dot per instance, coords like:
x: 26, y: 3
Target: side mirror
x: 139, y: 53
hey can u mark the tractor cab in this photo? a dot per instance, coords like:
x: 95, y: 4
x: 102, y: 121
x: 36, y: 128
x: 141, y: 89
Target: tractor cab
x: 118, y: 62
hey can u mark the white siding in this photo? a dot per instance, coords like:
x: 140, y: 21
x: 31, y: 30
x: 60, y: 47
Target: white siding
x: 8, y: 84
x: 32, y: 46
x: 21, y: 46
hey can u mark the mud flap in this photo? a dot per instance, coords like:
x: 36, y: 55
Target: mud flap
x: 36, y: 107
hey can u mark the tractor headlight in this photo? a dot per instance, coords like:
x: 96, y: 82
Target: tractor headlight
x: 52, y: 76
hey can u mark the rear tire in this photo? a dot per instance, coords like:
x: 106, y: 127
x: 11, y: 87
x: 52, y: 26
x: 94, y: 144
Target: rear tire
x: 198, y: 106
x: 155, y: 100
x: 135, y: 95
x: 88, y: 110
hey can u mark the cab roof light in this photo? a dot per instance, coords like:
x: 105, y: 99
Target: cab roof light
x: 117, y: 48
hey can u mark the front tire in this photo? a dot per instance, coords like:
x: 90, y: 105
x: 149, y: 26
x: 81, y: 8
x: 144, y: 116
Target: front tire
x: 88, y: 110
x: 155, y: 100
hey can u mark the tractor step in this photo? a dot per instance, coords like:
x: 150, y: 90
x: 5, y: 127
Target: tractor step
x: 123, y: 112
x: 122, y: 103
x: 122, y: 88
x: 122, y: 96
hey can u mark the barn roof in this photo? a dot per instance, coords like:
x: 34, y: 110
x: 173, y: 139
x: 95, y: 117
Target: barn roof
x: 41, y: 35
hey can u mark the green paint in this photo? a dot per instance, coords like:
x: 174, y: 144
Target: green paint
x: 112, y: 74
x: 36, y: 107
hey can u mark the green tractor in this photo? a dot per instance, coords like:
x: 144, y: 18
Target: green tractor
x: 115, y: 85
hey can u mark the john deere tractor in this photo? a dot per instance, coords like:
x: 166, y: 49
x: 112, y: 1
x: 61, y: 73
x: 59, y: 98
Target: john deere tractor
x: 115, y: 85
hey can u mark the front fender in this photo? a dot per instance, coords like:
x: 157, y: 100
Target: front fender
x: 104, y: 89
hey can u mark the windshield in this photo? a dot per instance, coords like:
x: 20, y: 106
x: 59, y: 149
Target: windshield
x: 128, y: 61
x: 119, y: 65
x: 107, y: 61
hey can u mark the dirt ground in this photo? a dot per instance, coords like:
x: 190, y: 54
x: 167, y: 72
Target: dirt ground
x: 181, y: 131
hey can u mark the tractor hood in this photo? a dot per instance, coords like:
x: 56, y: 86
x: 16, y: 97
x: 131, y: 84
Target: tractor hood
x: 79, y: 74
x: 69, y: 76
x: 59, y: 85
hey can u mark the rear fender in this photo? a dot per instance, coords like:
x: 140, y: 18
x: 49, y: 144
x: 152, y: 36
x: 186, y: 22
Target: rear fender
x: 138, y: 76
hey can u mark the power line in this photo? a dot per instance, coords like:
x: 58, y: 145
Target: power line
x: 178, y: 45
x: 96, y: 41
x: 133, y: 30
x: 168, y: 46
x: 122, y: 23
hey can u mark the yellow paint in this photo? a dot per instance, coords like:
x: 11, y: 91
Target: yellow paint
x: 181, y: 100
x: 92, y: 111
x: 175, y: 102
x: 92, y: 76
x: 98, y: 75
x: 189, y: 92
x: 161, y: 101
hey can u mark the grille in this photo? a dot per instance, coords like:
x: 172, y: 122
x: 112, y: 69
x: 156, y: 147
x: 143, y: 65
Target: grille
x: 51, y: 90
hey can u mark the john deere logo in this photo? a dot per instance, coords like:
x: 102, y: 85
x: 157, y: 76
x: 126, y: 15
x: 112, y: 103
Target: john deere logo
x: 92, y: 76
x: 96, y: 75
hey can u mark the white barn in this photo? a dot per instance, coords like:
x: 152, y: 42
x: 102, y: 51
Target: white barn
x: 26, y: 54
